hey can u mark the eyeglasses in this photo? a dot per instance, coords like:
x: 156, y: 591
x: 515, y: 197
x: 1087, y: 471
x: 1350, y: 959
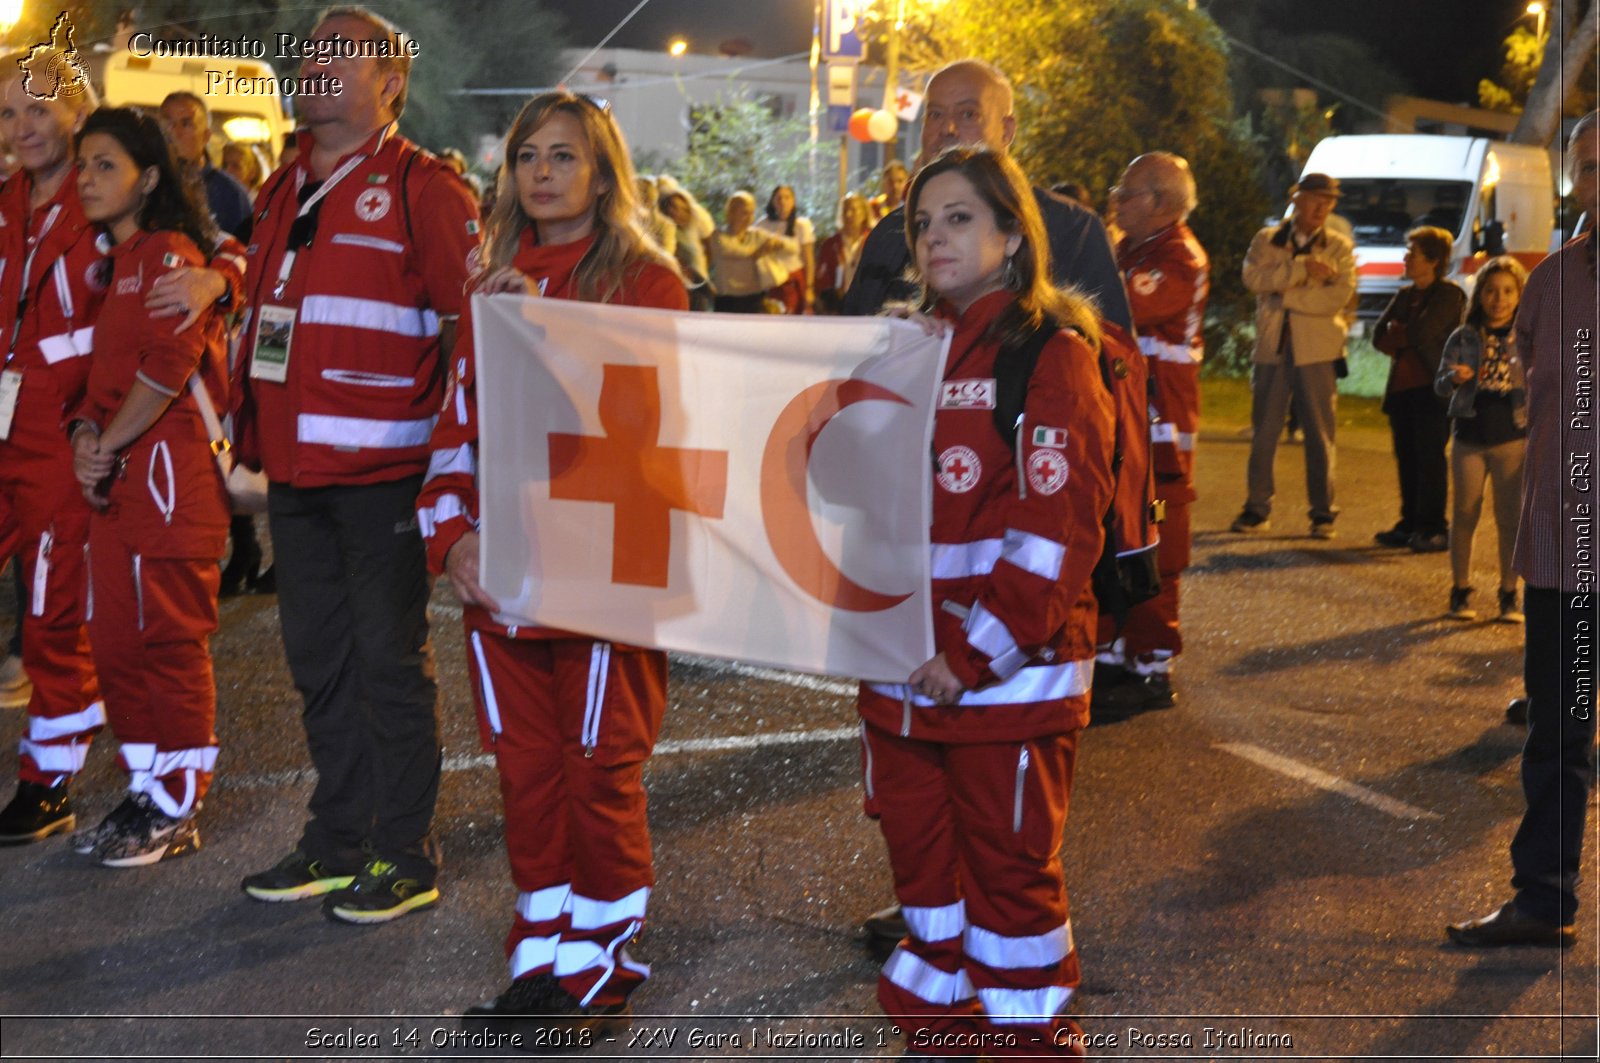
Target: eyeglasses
x: 1122, y: 195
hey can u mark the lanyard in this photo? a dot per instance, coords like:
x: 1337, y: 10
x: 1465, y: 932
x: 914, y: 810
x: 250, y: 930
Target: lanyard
x: 286, y: 266
x: 27, y: 274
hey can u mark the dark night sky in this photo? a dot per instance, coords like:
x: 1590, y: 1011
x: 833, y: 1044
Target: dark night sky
x: 1442, y: 47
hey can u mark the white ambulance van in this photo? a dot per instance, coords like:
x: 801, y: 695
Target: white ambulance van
x: 1492, y: 197
x: 128, y: 80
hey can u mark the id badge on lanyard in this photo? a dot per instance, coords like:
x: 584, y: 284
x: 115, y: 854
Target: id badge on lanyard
x: 274, y: 337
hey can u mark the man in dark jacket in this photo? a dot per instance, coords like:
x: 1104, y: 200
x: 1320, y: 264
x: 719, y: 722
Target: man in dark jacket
x: 969, y: 102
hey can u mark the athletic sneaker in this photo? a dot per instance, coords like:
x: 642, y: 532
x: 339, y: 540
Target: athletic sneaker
x: 1460, y: 606
x: 37, y: 812
x: 1247, y: 522
x: 150, y: 836
x: 88, y: 842
x: 381, y: 891
x: 296, y: 877
x: 1510, y: 610
x: 1323, y: 529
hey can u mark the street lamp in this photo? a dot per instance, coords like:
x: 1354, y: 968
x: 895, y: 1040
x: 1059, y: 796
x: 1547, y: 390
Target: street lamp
x: 10, y: 15
x: 677, y: 47
x: 1536, y: 9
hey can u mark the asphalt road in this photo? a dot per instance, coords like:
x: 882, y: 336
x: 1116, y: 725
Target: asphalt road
x: 1273, y: 861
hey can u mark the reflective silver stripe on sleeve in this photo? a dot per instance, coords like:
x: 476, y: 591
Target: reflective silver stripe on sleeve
x: 1034, y: 553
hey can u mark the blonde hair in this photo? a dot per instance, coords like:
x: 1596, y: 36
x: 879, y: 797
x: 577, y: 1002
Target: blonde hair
x: 622, y: 245
x: 1001, y: 184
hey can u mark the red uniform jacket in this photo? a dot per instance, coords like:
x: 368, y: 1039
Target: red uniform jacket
x: 1168, y: 278
x: 448, y: 505
x: 387, y: 261
x: 55, y: 248
x: 169, y: 501
x: 1014, y: 613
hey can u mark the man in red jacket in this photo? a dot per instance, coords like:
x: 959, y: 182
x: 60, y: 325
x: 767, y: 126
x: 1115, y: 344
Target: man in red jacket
x: 357, y: 266
x: 1168, y: 277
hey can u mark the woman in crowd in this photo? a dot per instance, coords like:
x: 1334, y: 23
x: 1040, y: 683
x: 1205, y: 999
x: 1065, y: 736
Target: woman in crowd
x: 566, y: 224
x: 893, y: 183
x: 689, y: 249
x: 971, y: 761
x: 1412, y: 331
x: 1482, y: 376
x: 798, y: 292
x: 839, y: 254
x: 744, y: 259
x: 50, y: 290
x: 144, y: 463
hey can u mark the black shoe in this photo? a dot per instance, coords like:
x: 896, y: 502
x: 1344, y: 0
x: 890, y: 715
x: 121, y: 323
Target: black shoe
x: 1399, y: 535
x: 1106, y: 678
x: 886, y: 926
x: 242, y: 569
x: 1508, y: 926
x: 35, y: 813
x: 1155, y: 691
x: 1461, y: 605
x: 297, y: 877
x: 534, y: 995
x: 266, y: 582
x: 1517, y: 712
x: 382, y: 891
x: 1429, y: 544
x: 1141, y: 694
x: 547, y: 1017
x: 1510, y: 611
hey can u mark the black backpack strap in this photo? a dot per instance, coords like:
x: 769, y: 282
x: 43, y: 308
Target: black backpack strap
x: 1013, y: 369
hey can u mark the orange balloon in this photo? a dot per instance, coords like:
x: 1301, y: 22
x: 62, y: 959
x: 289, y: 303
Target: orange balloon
x: 859, y: 122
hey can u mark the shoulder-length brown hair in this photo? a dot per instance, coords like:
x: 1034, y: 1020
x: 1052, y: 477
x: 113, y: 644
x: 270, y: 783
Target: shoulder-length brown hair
x: 1001, y: 184
x: 622, y: 242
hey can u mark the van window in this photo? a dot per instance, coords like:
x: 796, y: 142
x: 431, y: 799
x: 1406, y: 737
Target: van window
x: 1383, y: 210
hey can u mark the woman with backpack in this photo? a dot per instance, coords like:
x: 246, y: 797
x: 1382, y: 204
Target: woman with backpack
x: 970, y: 761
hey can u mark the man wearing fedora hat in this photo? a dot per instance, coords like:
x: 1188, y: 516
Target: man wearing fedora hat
x: 1304, y: 275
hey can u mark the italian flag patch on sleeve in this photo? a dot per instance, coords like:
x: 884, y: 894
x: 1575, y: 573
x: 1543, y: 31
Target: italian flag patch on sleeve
x: 1045, y: 436
x: 172, y: 260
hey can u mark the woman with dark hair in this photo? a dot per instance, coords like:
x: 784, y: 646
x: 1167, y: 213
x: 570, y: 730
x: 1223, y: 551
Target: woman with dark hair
x: 1482, y: 375
x: 1412, y: 331
x: 143, y: 458
x: 798, y: 293
x: 570, y: 719
x: 970, y: 761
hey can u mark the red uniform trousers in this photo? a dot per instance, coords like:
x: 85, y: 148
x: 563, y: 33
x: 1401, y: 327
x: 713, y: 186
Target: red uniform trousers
x: 1151, y: 637
x: 571, y: 722
x: 151, y: 618
x: 973, y: 833
x: 44, y: 525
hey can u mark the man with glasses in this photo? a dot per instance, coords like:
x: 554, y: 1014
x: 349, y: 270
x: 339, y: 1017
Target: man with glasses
x: 1167, y: 274
x: 357, y: 268
x: 969, y: 102
x: 1303, y: 274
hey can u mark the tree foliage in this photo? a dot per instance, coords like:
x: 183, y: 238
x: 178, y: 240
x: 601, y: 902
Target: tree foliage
x: 466, y: 43
x: 1099, y: 82
x: 740, y: 144
x: 1546, y: 80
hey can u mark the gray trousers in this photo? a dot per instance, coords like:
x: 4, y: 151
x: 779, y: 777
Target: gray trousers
x: 1471, y: 467
x: 1312, y: 390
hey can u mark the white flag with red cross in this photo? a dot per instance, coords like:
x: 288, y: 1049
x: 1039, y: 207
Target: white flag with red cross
x: 747, y: 487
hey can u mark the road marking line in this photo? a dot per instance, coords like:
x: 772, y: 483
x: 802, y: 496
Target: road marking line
x: 1321, y: 779
x: 473, y: 761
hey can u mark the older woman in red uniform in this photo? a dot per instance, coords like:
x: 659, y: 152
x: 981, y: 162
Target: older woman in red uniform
x: 143, y: 459
x: 970, y: 761
x: 50, y: 291
x: 571, y: 720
